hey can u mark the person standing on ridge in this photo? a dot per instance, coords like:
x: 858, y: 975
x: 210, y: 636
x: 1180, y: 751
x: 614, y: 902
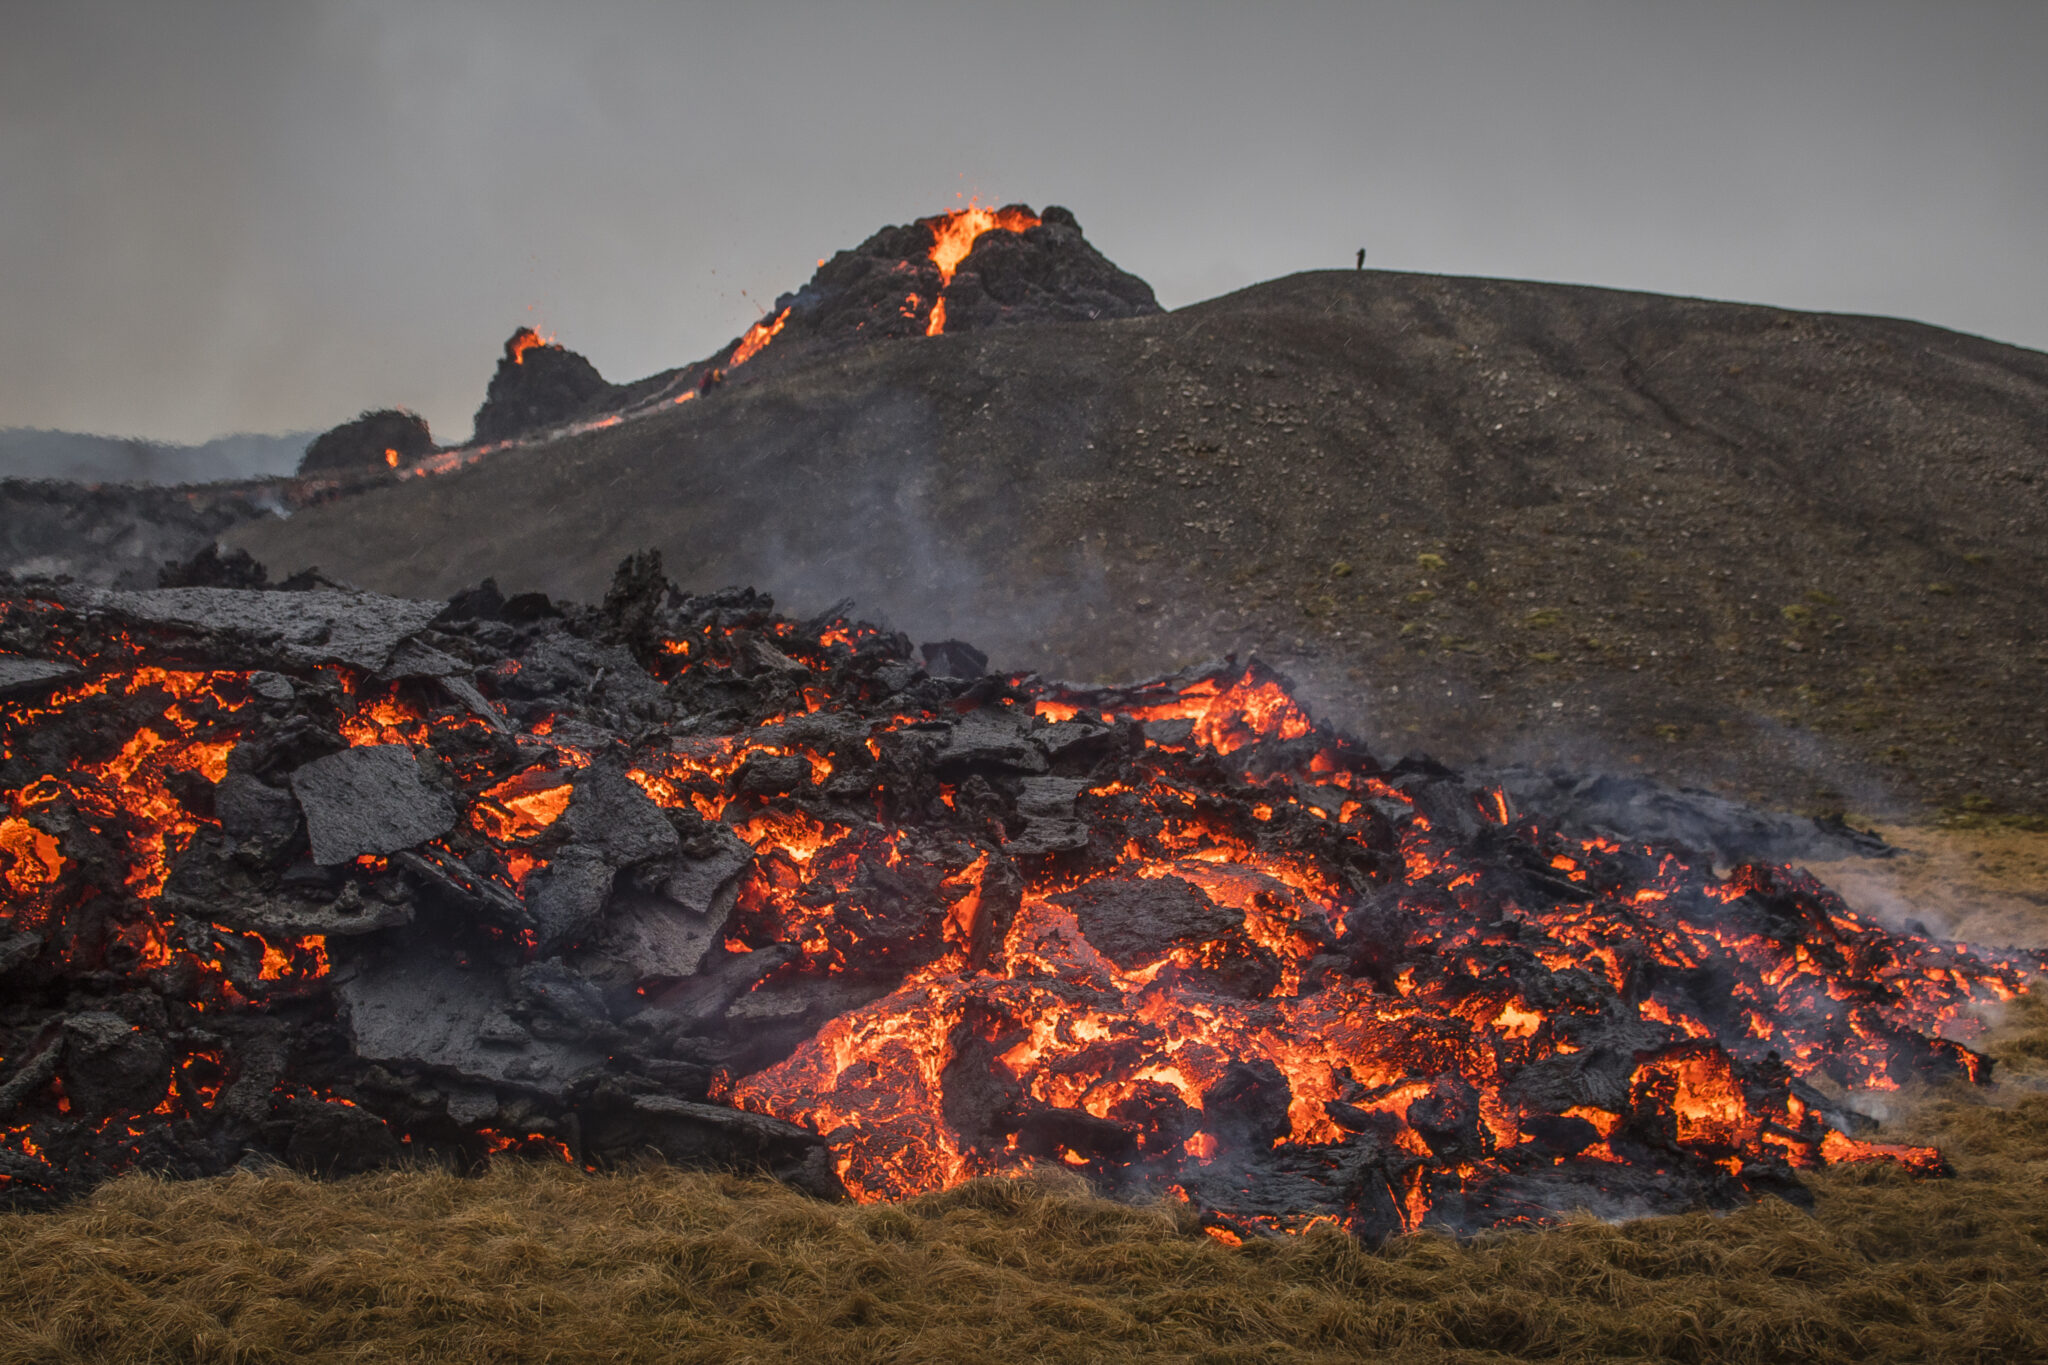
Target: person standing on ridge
x: 1361, y: 258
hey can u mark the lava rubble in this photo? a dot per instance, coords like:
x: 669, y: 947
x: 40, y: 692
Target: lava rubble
x: 341, y: 879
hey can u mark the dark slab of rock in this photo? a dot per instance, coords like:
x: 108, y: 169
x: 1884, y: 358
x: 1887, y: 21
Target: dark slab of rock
x: 415, y: 659
x: 296, y: 629
x: 214, y: 882
x: 953, y: 659
x: 1636, y: 810
x: 610, y: 825
x: 17, y: 949
x: 22, y: 677
x: 250, y: 809
x: 566, y: 900
x: 997, y: 740
x: 710, y: 1135
x: 608, y: 812
x: 1051, y: 822
x: 1135, y: 920
x: 657, y: 939
x: 703, y: 883
x: 338, y: 1139
x: 368, y: 800
x: 430, y: 1013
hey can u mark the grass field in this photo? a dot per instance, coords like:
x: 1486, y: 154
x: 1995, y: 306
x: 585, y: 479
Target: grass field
x: 540, y: 1263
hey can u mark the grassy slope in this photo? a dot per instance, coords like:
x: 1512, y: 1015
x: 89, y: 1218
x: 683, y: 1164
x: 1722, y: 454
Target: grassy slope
x: 537, y: 1263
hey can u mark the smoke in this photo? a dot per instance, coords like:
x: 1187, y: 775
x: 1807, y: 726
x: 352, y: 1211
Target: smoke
x: 929, y: 553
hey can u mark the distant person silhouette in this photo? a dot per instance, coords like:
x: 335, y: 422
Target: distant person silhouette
x: 1361, y: 258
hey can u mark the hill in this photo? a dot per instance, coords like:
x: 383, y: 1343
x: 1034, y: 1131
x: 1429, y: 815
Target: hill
x: 1795, y: 556
x: 34, y: 453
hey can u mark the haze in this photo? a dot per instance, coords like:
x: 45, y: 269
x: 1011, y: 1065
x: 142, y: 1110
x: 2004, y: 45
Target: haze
x: 229, y: 217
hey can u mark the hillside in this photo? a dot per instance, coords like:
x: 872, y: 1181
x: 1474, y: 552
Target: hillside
x: 1796, y: 556
x: 32, y: 453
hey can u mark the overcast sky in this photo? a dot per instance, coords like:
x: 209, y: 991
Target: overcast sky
x: 219, y: 217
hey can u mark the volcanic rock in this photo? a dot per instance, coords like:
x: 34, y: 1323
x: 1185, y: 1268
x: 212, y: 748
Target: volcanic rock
x: 611, y: 814
x: 422, y: 1011
x: 249, y: 809
x: 358, y: 628
x: 338, y: 1139
x: 1637, y: 810
x: 538, y: 385
x: 210, y: 568
x: 1135, y: 921
x: 369, y: 800
x: 567, y: 898
x: 888, y: 285
x: 1332, y: 979
x: 21, y: 677
x: 988, y: 739
x: 656, y: 938
x: 954, y: 659
x: 372, y: 443
x: 1051, y: 824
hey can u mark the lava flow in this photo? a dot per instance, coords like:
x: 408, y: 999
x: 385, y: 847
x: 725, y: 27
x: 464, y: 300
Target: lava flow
x: 953, y: 237
x: 684, y: 875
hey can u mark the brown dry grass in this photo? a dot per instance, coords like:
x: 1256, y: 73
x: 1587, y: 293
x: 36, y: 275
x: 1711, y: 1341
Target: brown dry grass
x: 532, y: 1263
x: 1982, y: 883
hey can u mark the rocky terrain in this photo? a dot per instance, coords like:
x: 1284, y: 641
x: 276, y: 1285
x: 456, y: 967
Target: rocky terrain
x: 1791, y: 556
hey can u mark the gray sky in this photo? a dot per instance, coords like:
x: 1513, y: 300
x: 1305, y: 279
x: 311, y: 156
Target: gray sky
x: 219, y: 217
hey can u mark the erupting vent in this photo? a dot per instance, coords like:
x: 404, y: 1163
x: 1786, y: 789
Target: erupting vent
x: 953, y: 237
x: 277, y: 881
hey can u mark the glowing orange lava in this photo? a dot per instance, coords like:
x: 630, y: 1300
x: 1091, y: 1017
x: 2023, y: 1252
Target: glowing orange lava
x: 953, y: 237
x: 758, y: 335
x: 524, y: 340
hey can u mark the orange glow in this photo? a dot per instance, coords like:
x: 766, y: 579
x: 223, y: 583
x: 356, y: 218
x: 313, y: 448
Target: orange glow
x: 759, y: 335
x: 390, y: 457
x: 953, y: 237
x: 524, y: 340
x: 1838, y: 1147
x: 954, y: 234
x: 33, y: 861
x: 1343, y: 945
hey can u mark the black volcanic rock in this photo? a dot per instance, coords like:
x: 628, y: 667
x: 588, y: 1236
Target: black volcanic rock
x: 538, y: 384
x: 886, y: 286
x: 376, y: 440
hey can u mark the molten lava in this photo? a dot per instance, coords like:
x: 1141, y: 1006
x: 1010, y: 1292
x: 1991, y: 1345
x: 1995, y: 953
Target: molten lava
x: 1178, y: 937
x: 524, y: 340
x: 757, y: 336
x: 953, y: 237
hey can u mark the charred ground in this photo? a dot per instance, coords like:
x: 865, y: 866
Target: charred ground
x: 1794, y: 556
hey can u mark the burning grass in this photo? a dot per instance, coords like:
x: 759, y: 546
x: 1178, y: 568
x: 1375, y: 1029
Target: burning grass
x: 533, y: 1262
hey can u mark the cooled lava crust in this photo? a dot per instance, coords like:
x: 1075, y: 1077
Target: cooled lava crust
x: 339, y: 879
